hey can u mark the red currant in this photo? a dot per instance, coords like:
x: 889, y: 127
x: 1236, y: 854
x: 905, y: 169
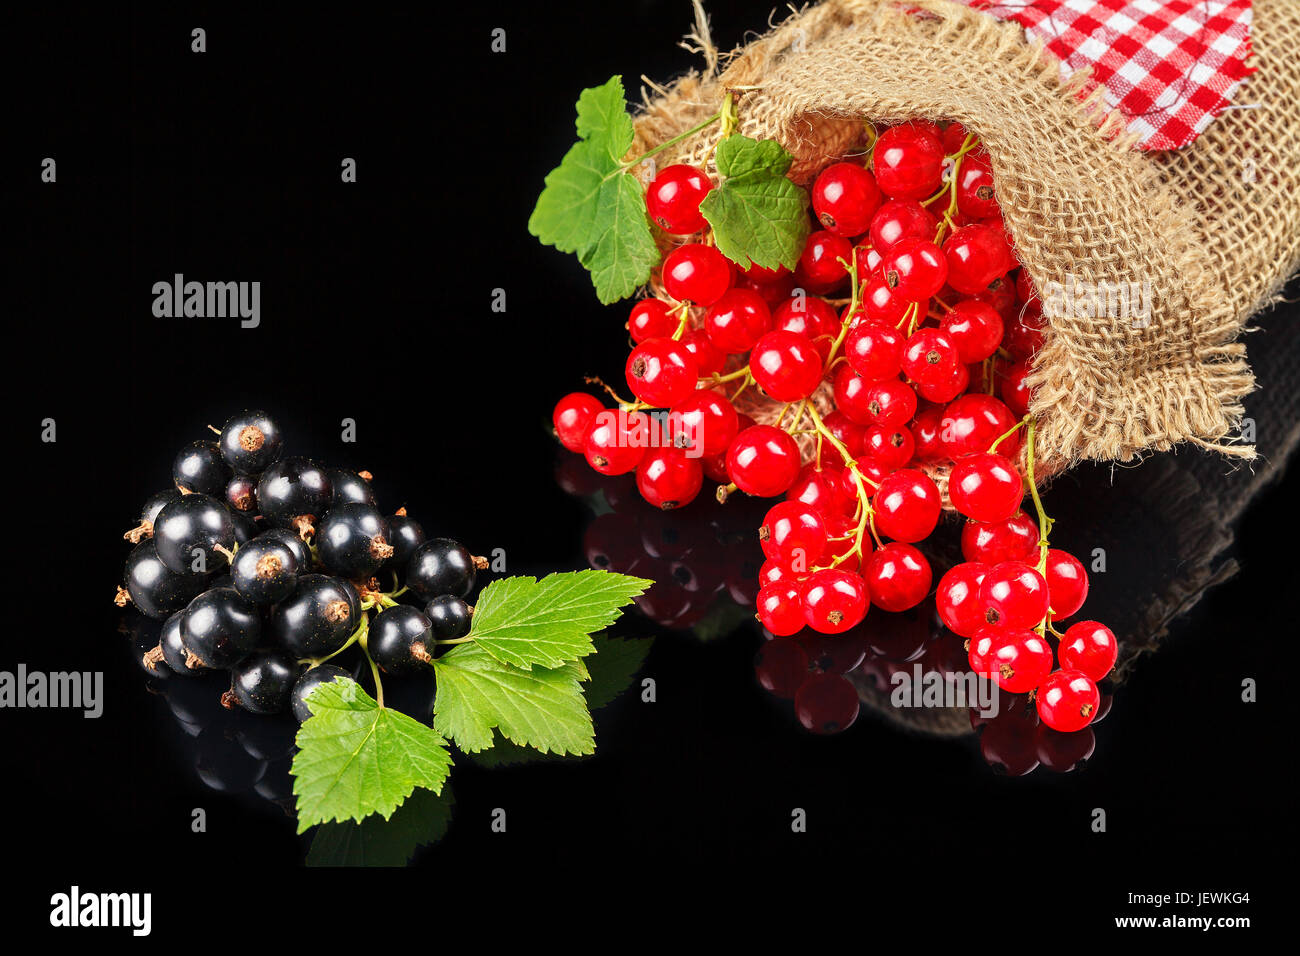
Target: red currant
x: 822, y: 265
x: 915, y: 268
x: 697, y: 273
x: 957, y: 598
x: 844, y: 197
x: 975, y: 327
x: 900, y: 219
x: 907, y: 506
x: 826, y: 704
x: 1018, y: 660
x: 763, y: 461
x: 704, y: 422
x: 840, y: 545
x: 737, y: 320
x: 925, y: 434
x: 661, y: 372
x: 930, y: 357
x: 1067, y: 583
x: 953, y: 136
x: 868, y: 260
x: 780, y: 608
x: 1015, y: 539
x: 673, y: 199
x: 846, y: 431
x: 890, y: 448
x: 908, y: 162
x: 1024, y: 334
x: 1014, y: 595
x: 973, y: 422
x: 617, y: 441
x: 897, y: 576
x: 947, y: 389
x: 786, y: 366
x: 650, y: 320
x: 781, y: 667
x: 874, y: 350
x: 834, y: 600
x: 820, y: 487
x: 1068, y: 700
x: 975, y: 187
x: 1089, y: 647
x: 883, y: 304
x: 1013, y: 389
x: 709, y: 360
x: 870, y: 475
x: 668, y: 478
x: 794, y: 534
x: 774, y: 572
x: 889, y: 403
x: 976, y: 255
x: 572, y: 419
x: 985, y: 487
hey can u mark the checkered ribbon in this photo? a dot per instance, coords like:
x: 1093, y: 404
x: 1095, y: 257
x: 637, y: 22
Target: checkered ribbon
x: 1169, y: 66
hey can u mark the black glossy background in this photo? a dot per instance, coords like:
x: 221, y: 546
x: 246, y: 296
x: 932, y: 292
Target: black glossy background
x: 376, y: 306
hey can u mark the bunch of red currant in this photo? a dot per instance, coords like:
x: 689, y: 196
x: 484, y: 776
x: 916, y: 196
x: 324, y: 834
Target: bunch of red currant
x: 899, y: 345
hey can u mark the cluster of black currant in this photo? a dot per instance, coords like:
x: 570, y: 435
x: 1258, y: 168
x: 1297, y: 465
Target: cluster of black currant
x: 268, y: 566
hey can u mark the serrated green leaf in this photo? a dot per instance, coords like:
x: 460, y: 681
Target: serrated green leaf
x: 613, y: 667
x: 356, y: 758
x: 624, y: 252
x: 421, y: 820
x: 757, y: 214
x: 523, y: 621
x: 567, y: 209
x: 537, y: 708
x: 603, y: 119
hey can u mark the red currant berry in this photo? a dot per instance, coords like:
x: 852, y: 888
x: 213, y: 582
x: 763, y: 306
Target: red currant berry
x: 1014, y: 595
x: 737, y: 320
x: 704, y: 422
x: 948, y: 389
x: 925, y: 434
x: 673, y: 199
x: 780, y: 608
x: 907, y: 506
x: 1067, y: 701
x: 908, y: 162
x: 1067, y: 583
x: 781, y: 667
x: 786, y: 366
x: 891, y: 448
x: 821, y: 488
x: 874, y: 350
x: 668, y: 478
x: 822, y: 265
x: 847, y: 432
x: 840, y: 545
x: 697, y: 273
x: 1089, y: 647
x: 1019, y: 660
x: 1024, y: 286
x: 985, y: 487
x: 889, y: 403
x: 650, y: 320
x: 975, y: 327
x: 709, y: 360
x: 813, y: 318
x: 572, y: 419
x: 976, y: 255
x: 794, y: 534
x: 975, y: 187
x: 973, y: 422
x: 834, y: 600
x: 617, y: 441
x: 883, y: 304
x: 715, y: 468
x: 957, y: 598
x: 1013, y: 389
x: 1062, y: 753
x: 897, y: 576
x: 901, y: 219
x: 915, y: 268
x: 930, y: 357
x: 826, y: 704
x: 766, y: 276
x: 867, y: 259
x: 1024, y: 334
x: 844, y: 197
x: 763, y: 461
x: 661, y: 372
x: 1015, y: 539
x: 774, y: 572
x: 953, y: 136
x: 869, y: 476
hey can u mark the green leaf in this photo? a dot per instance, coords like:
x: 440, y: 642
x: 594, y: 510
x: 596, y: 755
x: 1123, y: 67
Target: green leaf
x: 756, y: 213
x: 603, y: 119
x: 625, y: 251
x: 537, y: 708
x: 356, y: 758
x: 374, y: 841
x: 523, y: 621
x: 568, y: 207
x: 613, y: 667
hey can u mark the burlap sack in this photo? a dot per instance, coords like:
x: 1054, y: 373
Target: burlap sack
x: 1210, y: 232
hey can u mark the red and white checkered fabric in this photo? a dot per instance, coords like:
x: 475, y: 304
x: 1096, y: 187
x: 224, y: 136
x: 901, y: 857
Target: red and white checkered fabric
x: 1169, y: 66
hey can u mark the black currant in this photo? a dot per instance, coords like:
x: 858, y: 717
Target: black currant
x: 263, y: 681
x: 188, y: 531
x: 352, y: 540
x: 440, y: 566
x: 200, y: 469
x: 155, y: 589
x: 294, y: 544
x: 405, y: 535
x: 308, y: 682
x: 450, y: 617
x: 246, y: 527
x: 220, y: 629
x: 400, y: 639
x: 265, y: 570
x: 171, y: 643
x: 293, y: 493
x: 152, y: 505
x: 317, y: 618
x: 250, y: 442
x: 241, y: 494
x: 350, y: 487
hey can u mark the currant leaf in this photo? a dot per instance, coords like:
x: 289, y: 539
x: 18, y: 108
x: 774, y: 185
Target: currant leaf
x: 613, y: 667
x: 603, y: 118
x: 525, y: 622
x: 621, y: 258
x: 421, y: 820
x: 757, y: 214
x: 356, y: 758
x: 537, y: 708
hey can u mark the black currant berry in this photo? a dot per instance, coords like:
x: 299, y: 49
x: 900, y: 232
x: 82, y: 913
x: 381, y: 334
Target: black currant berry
x: 293, y: 493
x: 250, y: 442
x: 246, y: 527
x: 153, y: 504
x: 450, y: 617
x: 220, y: 629
x: 294, y: 544
x: 155, y: 589
x: 350, y: 487
x: 440, y: 566
x: 317, y: 618
x: 400, y: 639
x: 171, y: 643
x: 308, y: 682
x: 263, y: 681
x: 241, y: 495
x: 200, y: 469
x: 405, y: 535
x: 264, y: 571
x: 191, y: 528
x: 352, y: 540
